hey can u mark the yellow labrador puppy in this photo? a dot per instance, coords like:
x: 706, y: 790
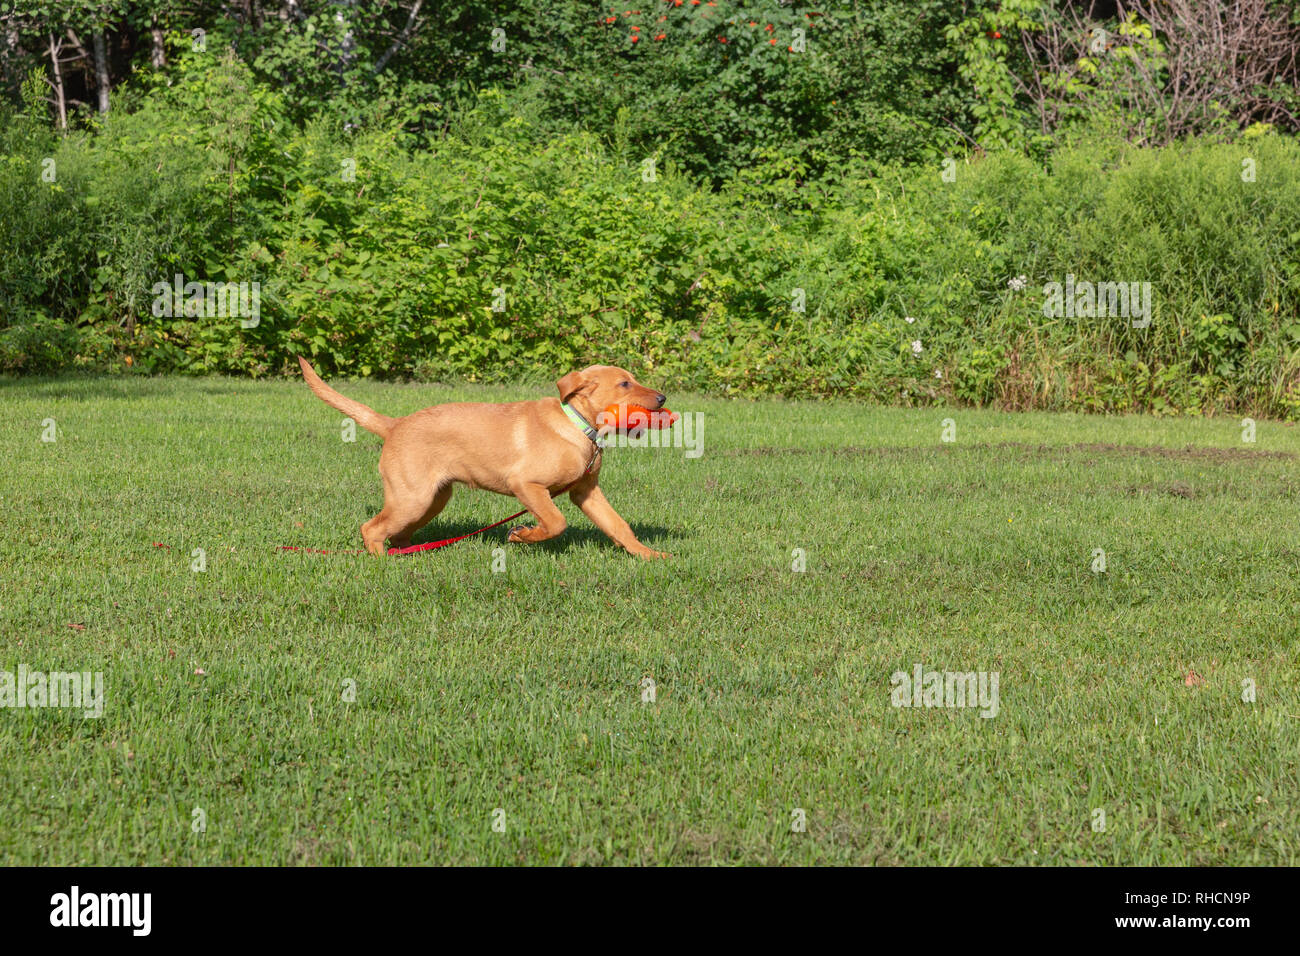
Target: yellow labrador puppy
x: 531, y: 450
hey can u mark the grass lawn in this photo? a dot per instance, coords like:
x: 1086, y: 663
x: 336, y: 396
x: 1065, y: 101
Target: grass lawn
x: 477, y: 690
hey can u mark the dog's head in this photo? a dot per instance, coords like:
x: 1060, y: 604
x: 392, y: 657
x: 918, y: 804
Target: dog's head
x: 596, y: 387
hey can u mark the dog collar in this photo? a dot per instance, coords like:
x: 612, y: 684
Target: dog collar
x: 584, y: 426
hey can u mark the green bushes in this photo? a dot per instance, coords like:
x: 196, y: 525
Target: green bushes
x: 1220, y: 252
x: 36, y: 343
x: 505, y: 253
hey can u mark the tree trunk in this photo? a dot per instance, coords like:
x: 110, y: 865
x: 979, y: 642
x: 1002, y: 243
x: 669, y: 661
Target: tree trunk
x: 348, y: 45
x: 11, y: 46
x: 59, y: 101
x: 101, y: 69
x: 157, y: 51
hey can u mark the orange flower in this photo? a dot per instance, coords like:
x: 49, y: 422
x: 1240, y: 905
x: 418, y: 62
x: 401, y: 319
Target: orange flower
x: 635, y: 38
x: 661, y: 36
x: 772, y: 41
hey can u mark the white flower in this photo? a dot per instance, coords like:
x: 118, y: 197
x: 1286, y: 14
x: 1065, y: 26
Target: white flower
x: 916, y: 347
x: 938, y: 373
x: 908, y: 319
x: 1018, y: 283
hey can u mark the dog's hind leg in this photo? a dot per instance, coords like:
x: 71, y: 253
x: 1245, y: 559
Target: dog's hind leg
x: 407, y: 508
x: 402, y: 537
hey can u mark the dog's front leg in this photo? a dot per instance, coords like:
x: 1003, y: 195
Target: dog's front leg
x: 596, y: 506
x: 537, y: 499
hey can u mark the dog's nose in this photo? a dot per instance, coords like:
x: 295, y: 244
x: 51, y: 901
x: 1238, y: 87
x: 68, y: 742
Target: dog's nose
x: 662, y: 398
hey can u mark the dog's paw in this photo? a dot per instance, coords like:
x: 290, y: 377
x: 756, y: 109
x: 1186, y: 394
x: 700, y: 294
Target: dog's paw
x: 649, y: 554
x: 519, y: 533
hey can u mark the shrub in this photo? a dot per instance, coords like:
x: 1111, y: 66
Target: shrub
x: 36, y: 344
x: 507, y: 252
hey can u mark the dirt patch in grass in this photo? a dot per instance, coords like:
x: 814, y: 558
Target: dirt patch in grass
x: 307, y: 851
x: 1025, y: 450
x: 1186, y: 453
x: 1179, y: 489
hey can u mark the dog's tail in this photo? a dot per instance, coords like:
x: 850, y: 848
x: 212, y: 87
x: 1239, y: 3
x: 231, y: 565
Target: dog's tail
x: 367, y: 418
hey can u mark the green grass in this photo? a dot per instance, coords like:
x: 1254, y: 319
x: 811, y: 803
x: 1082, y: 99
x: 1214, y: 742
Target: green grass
x: 520, y: 690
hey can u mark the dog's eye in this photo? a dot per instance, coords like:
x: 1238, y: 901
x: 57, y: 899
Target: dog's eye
x: 624, y: 384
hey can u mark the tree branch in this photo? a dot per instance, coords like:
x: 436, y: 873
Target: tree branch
x: 401, y: 40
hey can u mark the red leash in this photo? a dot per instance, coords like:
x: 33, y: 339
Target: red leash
x: 412, y: 549
x: 430, y: 545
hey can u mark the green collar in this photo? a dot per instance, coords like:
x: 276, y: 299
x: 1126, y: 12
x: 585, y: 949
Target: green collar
x: 584, y: 426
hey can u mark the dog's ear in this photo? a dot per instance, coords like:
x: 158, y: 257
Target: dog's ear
x: 571, y: 385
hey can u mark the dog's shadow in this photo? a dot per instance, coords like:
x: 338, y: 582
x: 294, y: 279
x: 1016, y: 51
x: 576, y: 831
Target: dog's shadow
x: 648, y: 534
